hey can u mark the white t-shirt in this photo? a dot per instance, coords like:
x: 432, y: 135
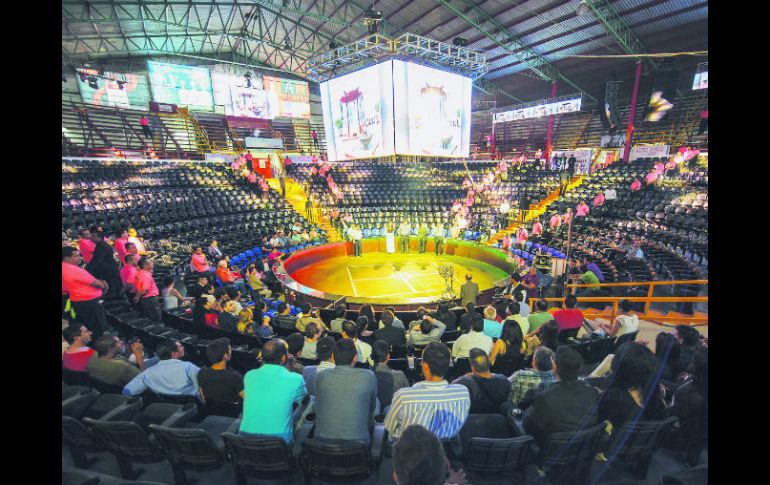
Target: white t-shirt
x: 610, y: 194
x: 628, y: 324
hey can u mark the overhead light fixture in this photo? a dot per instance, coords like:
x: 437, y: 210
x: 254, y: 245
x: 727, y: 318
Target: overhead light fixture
x: 583, y: 8
x: 333, y: 44
x: 372, y: 19
x: 460, y: 41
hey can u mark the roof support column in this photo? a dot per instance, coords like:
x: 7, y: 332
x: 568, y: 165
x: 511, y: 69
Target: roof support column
x: 554, y: 85
x: 634, y: 94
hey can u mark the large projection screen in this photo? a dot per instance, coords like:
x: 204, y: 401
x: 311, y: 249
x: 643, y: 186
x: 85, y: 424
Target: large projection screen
x: 358, y: 113
x: 133, y: 94
x: 181, y: 85
x: 238, y: 98
x: 433, y: 111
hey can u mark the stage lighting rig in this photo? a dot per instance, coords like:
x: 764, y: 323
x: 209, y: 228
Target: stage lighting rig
x: 372, y: 19
x: 460, y: 41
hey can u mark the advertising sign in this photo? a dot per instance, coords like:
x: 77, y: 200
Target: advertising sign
x: 701, y: 80
x: 287, y: 97
x: 433, y: 109
x: 358, y: 113
x: 649, y: 151
x: 113, y: 89
x: 181, y: 85
x: 546, y: 108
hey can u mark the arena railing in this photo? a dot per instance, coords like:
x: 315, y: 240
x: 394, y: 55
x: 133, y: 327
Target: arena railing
x: 647, y: 300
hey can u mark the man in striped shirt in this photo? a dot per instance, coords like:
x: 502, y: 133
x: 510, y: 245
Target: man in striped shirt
x: 440, y: 407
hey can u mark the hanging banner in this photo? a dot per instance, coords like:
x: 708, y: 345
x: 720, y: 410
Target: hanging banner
x: 546, y: 107
x: 649, y: 151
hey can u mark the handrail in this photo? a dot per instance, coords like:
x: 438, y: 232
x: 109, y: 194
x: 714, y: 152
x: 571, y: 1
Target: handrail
x: 640, y: 283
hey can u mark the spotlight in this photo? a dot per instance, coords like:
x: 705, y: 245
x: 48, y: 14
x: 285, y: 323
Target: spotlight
x: 583, y: 8
x: 460, y: 41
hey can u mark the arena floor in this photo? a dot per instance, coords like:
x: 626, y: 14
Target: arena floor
x: 394, y: 276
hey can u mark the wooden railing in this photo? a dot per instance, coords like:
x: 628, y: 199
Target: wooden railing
x: 647, y: 300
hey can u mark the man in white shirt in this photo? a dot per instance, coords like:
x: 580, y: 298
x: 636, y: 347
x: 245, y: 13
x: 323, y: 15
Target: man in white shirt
x: 364, y: 350
x: 610, y: 194
x: 473, y: 339
x: 356, y: 235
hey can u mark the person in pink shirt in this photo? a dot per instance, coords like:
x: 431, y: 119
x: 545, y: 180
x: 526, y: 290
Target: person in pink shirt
x: 84, y: 290
x: 582, y: 209
x: 121, y: 238
x: 567, y: 217
x: 274, y: 255
x: 506, y: 244
x: 636, y: 185
x: 77, y: 355
x: 599, y: 199
x: 86, y: 245
x: 521, y: 237
x: 128, y: 274
x: 555, y: 221
x: 537, y: 230
x: 252, y: 178
x: 659, y: 168
x: 199, y: 263
x: 146, y: 290
x: 651, y: 177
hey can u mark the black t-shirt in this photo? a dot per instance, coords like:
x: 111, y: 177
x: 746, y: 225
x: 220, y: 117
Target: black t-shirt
x: 220, y: 385
x: 486, y: 394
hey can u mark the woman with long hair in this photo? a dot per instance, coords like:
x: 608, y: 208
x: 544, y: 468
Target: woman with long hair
x: 368, y: 312
x: 508, y: 346
x: 549, y: 333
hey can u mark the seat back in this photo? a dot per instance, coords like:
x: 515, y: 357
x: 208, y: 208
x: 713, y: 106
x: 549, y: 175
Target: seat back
x: 259, y: 456
x: 335, y: 460
x: 640, y: 437
x: 498, y: 458
x: 126, y: 439
x: 74, y: 378
x: 74, y: 433
x: 76, y: 405
x: 188, y: 448
x: 571, y: 451
x: 626, y: 337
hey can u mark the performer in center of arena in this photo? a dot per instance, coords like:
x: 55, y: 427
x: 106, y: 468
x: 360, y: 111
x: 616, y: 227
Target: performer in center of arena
x: 422, y: 236
x: 438, y: 237
x: 390, y: 239
x: 356, y: 235
x: 403, y: 231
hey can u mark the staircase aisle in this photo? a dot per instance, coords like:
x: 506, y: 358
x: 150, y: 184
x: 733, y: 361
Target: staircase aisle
x: 296, y: 196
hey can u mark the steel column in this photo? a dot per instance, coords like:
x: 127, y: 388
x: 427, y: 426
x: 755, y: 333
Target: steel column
x: 554, y: 85
x: 629, y: 131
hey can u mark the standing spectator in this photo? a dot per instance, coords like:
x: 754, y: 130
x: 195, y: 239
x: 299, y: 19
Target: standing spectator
x: 599, y: 199
x: 582, y: 209
x: 345, y: 398
x: 77, y: 355
x: 440, y: 407
x: 171, y: 376
x: 524, y: 382
x: 147, y: 291
x: 198, y: 262
x: 567, y: 405
x: 86, y: 245
x: 103, y: 265
x: 121, y: 238
x: 109, y: 367
x: 388, y: 380
x: 469, y: 291
x: 564, y: 179
x: 487, y: 391
x: 270, y: 393
x: 635, y: 185
x: 531, y: 283
x: 314, y: 136
x: 473, y: 339
x: 144, y: 122
x: 84, y: 291
x: 218, y: 383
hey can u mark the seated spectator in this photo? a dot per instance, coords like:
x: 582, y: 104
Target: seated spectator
x: 625, y: 322
x: 362, y: 324
x: 218, y: 383
x: 509, y: 345
x: 198, y: 262
x: 345, y: 398
x: 349, y: 330
x: 234, y: 295
x: 466, y: 319
x: 487, y: 391
x: 368, y: 312
x: 444, y: 314
x: 396, y: 322
x: 440, y: 407
x: 203, y: 312
x: 171, y: 296
x: 228, y: 318
x: 429, y: 330
x: 270, y: 393
x: 592, y: 267
x: 514, y: 313
x: 388, y: 380
x: 689, y: 339
x: 312, y: 335
x: 389, y: 332
x: 692, y: 398
x: 295, y: 342
x: 473, y: 339
x: 214, y: 253
x: 109, y: 366
x: 228, y: 278
x: 523, y: 305
x: 339, y: 316
x: 525, y: 382
x: 419, y: 459
x: 667, y: 350
x: 246, y: 322
x: 567, y: 405
x: 309, y: 315
x: 633, y: 392
x: 540, y: 317
x: 491, y: 327
x: 170, y: 376
x: 325, y: 353
x: 568, y: 317
x: 420, y: 316
x: 257, y: 284
x: 220, y: 297
x: 78, y: 353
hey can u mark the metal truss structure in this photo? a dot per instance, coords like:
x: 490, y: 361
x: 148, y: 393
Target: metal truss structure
x: 374, y: 47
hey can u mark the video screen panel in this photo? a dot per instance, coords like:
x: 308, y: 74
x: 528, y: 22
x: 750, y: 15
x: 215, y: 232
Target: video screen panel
x: 286, y: 97
x: 188, y: 86
x: 133, y: 94
x: 701, y: 80
x: 238, y: 98
x: 358, y: 113
x: 433, y: 111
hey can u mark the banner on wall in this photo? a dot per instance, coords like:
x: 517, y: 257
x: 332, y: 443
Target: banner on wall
x: 649, y: 151
x: 121, y: 90
x: 543, y: 108
x: 582, y: 158
x: 163, y: 107
x: 181, y: 85
x: 287, y: 97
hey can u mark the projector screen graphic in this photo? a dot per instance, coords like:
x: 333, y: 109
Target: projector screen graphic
x: 181, y: 85
x: 233, y: 93
x: 433, y: 109
x: 134, y: 94
x: 286, y: 97
x: 358, y: 113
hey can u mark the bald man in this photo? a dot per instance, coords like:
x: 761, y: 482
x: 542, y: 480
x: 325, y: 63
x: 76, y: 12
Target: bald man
x: 469, y: 291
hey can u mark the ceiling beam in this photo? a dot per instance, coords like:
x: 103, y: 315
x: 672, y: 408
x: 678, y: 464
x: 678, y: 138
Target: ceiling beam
x: 613, y: 23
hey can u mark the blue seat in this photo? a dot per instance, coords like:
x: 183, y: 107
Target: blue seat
x: 517, y: 251
x: 218, y: 281
x: 528, y: 244
x: 367, y: 232
x: 468, y: 234
x: 294, y: 310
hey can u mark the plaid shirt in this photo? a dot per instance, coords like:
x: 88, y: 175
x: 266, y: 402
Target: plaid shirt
x: 526, y: 380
